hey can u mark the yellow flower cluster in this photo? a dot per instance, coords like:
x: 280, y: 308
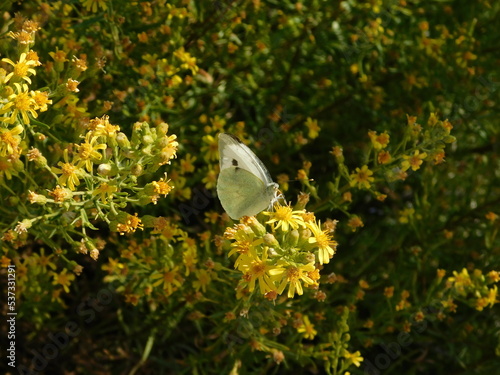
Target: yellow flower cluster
x: 284, y: 252
x: 476, y: 289
x: 19, y: 103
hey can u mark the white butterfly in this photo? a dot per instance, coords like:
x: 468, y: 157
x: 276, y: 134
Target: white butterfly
x: 244, y: 186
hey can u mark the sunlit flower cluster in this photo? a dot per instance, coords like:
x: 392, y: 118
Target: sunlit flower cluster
x: 283, y: 253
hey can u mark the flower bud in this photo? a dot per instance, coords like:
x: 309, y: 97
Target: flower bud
x: 293, y: 238
x: 147, y: 139
x: 122, y: 140
x: 270, y: 240
x: 104, y: 169
x: 137, y: 169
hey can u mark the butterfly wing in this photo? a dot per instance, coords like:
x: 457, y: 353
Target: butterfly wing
x: 233, y: 153
x: 244, y: 186
x: 241, y: 193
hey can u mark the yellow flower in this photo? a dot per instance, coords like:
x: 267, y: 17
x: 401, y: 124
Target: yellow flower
x: 384, y: 157
x: 105, y: 191
x: 189, y: 62
x: 162, y: 186
x: 186, y: 163
x: 389, y: 292
x: 286, y: 218
x: 102, y: 126
x: 7, y: 168
x: 312, y: 126
x: 414, y: 161
x: 362, y: 177
x: 257, y: 269
x: 94, y: 5
x: 70, y: 173
x: 460, y: 281
x: 245, y: 245
x: 63, y: 279
x: 20, y: 103
x: 491, y: 216
x: 293, y: 275
x: 88, y: 152
x: 210, y: 150
x: 354, y: 358
x: 190, y: 259
x: 132, y: 223
x: 21, y: 69
x: 491, y: 299
x: 10, y: 140
x: 379, y: 141
x: 169, y: 150
x: 169, y: 279
x: 41, y: 99
x: 60, y: 194
x: 406, y: 214
x: 355, y: 222
x: 59, y: 56
x: 210, y: 179
x: 204, y: 279
x: 72, y: 85
x: 326, y: 246
x: 307, y: 329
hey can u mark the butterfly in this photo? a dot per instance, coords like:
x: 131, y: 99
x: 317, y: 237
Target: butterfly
x: 244, y: 186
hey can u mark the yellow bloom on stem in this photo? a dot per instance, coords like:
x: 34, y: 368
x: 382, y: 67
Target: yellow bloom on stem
x: 285, y: 218
x: 258, y: 269
x: 293, y: 275
x: 189, y: 62
x: 162, y: 187
x: 460, y: 281
x: 491, y: 216
x: 355, y: 222
x: 70, y: 173
x: 492, y: 296
x: 10, y: 140
x: 204, y: 279
x: 307, y: 328
x: 132, y: 223
x: 94, y: 5
x: 379, y: 141
x: 102, y: 126
x: 362, y: 177
x: 187, y: 163
x: 414, y: 161
x: 88, y: 152
x: 211, y: 148
x: 7, y: 168
x: 210, y: 179
x: 384, y: 157
x: 63, y: 279
x: 41, y: 99
x: 169, y: 150
x: 354, y: 358
x: 60, y: 194
x: 323, y: 239
x: 59, y: 56
x: 169, y: 279
x: 313, y: 127
x: 105, y: 191
x: 20, y: 103
x: 245, y: 245
x: 21, y: 69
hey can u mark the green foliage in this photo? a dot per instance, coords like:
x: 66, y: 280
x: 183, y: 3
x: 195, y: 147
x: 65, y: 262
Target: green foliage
x: 386, y: 114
